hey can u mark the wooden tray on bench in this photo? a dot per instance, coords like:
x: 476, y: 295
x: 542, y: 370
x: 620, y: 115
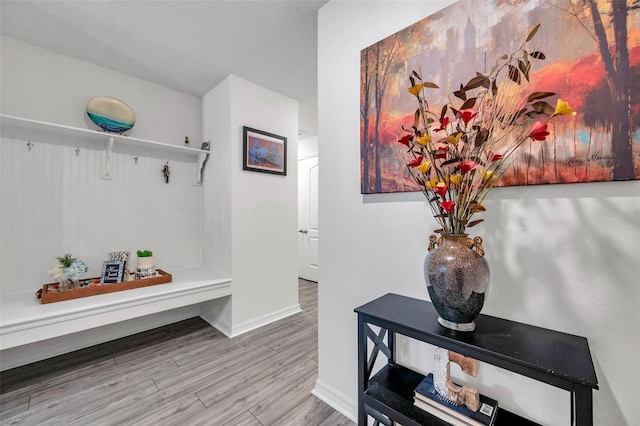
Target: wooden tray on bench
x: 47, y: 296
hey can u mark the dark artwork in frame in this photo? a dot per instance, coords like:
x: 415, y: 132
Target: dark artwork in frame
x: 264, y: 152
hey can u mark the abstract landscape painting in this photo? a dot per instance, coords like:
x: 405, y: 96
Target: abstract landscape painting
x: 264, y: 152
x: 591, y: 59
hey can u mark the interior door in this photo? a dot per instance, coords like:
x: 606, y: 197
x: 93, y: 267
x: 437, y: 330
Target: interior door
x: 308, y: 218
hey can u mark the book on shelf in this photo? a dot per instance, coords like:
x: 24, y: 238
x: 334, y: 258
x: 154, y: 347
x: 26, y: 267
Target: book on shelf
x: 427, y: 398
x: 442, y: 415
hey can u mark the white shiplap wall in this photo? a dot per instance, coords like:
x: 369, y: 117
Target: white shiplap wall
x: 54, y: 202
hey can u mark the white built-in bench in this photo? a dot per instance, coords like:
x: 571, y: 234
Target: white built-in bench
x: 25, y: 321
x: 31, y: 331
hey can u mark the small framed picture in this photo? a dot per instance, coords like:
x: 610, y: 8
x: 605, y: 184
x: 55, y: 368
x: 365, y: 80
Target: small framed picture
x: 205, y: 146
x: 264, y: 152
x: 112, y: 272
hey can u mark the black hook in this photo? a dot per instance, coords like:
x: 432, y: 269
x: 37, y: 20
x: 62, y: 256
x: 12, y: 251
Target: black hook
x: 166, y: 172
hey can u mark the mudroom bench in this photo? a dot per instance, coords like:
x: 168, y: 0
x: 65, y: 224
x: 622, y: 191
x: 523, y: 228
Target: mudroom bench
x: 25, y: 321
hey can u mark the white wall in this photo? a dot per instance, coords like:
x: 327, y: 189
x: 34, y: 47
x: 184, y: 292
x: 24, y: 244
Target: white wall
x: 263, y: 220
x: 43, y: 85
x: 238, y: 223
x: 307, y: 147
x: 564, y: 257
x: 216, y: 116
x: 53, y: 201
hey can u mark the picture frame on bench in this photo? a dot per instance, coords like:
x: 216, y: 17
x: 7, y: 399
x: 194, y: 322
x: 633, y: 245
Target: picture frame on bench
x: 112, y: 272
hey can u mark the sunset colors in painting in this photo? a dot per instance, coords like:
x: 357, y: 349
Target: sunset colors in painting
x: 600, y: 143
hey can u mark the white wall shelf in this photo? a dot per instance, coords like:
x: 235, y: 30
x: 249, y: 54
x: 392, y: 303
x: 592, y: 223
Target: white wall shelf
x: 45, y: 132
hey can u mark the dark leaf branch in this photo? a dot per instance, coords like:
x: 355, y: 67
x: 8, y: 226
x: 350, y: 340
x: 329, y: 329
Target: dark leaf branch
x: 454, y: 159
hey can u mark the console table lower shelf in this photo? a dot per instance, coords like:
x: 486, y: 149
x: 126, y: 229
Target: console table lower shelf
x: 391, y: 390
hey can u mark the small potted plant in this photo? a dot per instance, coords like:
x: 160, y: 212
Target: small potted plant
x: 145, y: 266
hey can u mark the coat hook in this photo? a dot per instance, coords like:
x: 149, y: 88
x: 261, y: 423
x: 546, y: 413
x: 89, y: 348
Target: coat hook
x: 166, y: 172
x: 29, y: 145
x: 77, y: 152
x: 135, y: 159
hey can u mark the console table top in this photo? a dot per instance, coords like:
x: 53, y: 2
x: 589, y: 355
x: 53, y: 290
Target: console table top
x: 550, y: 356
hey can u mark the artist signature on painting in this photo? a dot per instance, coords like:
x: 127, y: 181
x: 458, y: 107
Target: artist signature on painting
x: 596, y: 156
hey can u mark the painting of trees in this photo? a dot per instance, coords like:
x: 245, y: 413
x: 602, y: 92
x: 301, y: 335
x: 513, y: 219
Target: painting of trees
x: 380, y: 66
x: 378, y: 72
x: 593, y: 16
x: 593, y: 61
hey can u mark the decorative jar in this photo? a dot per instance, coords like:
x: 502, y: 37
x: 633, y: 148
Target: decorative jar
x: 457, y: 278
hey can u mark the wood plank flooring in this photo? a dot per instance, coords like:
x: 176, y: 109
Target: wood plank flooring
x: 185, y: 373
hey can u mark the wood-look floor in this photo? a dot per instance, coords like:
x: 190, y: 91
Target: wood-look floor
x: 186, y: 373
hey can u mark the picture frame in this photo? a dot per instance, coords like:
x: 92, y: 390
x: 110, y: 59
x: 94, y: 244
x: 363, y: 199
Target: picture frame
x: 264, y: 152
x: 112, y: 272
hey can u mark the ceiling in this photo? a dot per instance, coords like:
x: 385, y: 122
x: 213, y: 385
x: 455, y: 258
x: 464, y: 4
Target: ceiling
x: 189, y: 46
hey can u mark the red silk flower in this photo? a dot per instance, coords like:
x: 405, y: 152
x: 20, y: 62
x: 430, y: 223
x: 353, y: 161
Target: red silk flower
x: 444, y: 122
x: 448, y: 206
x: 467, y: 166
x: 441, y: 189
x: 467, y: 115
x: 416, y: 162
x: 405, y: 139
x: 538, y: 131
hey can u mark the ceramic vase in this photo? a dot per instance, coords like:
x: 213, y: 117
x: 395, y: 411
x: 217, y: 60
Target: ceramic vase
x: 146, y: 267
x: 457, y: 278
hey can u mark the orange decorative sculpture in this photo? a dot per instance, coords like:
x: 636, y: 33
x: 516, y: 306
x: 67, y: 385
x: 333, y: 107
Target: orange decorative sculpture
x: 466, y: 394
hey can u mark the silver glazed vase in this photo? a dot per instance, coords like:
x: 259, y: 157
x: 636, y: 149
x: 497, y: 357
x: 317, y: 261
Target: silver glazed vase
x: 457, y: 278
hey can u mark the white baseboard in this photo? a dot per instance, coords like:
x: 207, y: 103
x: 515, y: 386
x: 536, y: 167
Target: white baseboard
x: 337, y: 400
x: 252, y: 324
x: 213, y: 315
x: 37, y: 351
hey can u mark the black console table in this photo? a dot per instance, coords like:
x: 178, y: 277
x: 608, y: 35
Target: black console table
x: 559, y: 359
